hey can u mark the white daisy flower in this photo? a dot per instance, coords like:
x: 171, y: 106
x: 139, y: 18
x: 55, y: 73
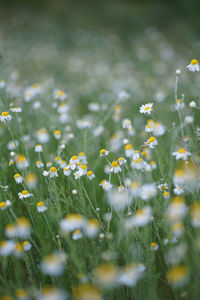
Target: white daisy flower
x: 193, y: 66
x: 146, y: 108
x: 182, y: 153
x: 5, y: 116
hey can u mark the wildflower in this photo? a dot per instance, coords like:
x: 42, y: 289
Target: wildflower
x: 67, y: 170
x: 115, y: 167
x: 82, y: 157
x: 90, y: 175
x: 54, y: 264
x: 27, y: 245
x: 41, y: 207
x: 18, y: 250
x: 31, y: 180
x: 7, y: 247
x: 127, y: 124
x: 53, y: 172
x: 21, y: 294
x: 73, y: 161
x: 104, y: 152
x: 134, y: 188
x: 130, y: 274
x: 38, y: 148
x: 149, y: 127
x: 177, y: 229
x: 23, y: 228
x: 2, y: 83
x: 166, y: 195
x: 16, y: 109
x: 59, y: 94
x: 193, y: 66
x: 178, y: 190
x: 163, y: 187
x: 121, y: 161
x: 106, y: 185
x: 10, y: 230
x: 151, y: 142
x: 63, y: 108
x: 77, y: 235
x: 77, y: 175
x: 195, y: 214
x: 63, y: 164
x: 182, y: 153
x: 159, y: 129
x: 92, y: 228
x: 18, y: 178
x: 148, y: 191
x: 24, y: 194
x: 57, y: 134
x: 51, y: 293
x: 177, y: 209
x: 153, y: 164
x: 154, y: 246
x: 106, y: 274
x: 74, y: 192
x: 128, y: 150
x: 49, y: 164
x: 5, y: 116
x: 118, y: 200
x: 140, y: 218
x: 43, y: 136
x: 72, y: 222
x: 83, y: 170
x: 39, y: 164
x: 179, y: 104
x: 94, y: 107
x: 3, y: 205
x: 21, y: 162
x: 177, y: 275
x: 146, y: 108
x: 136, y: 154
x: 138, y: 163
x: 86, y: 291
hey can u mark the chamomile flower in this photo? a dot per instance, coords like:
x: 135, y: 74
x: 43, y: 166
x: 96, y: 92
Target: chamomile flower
x: 92, y: 228
x: 53, y: 172
x: 43, y: 136
x: 177, y: 229
x: 128, y: 150
x: 159, y: 129
x: 5, y: 116
x: 41, y: 207
x: 7, y: 247
x: 115, y: 167
x: 3, y: 205
x: 178, y: 190
x: 140, y: 218
x: 27, y: 245
x: 195, y: 214
x: 51, y: 293
x: 106, y: 274
x: 193, y: 66
x: 104, y: 152
x: 82, y: 157
x: 57, y: 134
x: 166, y: 195
x: 130, y: 274
x: 146, y: 108
x: 151, y: 142
x: 118, y: 200
x: 54, y: 264
x: 2, y: 83
x: 39, y: 164
x: 16, y: 109
x: 72, y: 222
x: 31, y: 180
x: 21, y: 161
x: 148, y: 191
x: 127, y: 124
x: 67, y: 170
x: 177, y: 275
x: 24, y: 194
x: 177, y: 209
x: 87, y: 291
x: 59, y: 94
x: 138, y: 164
x: 106, y: 185
x: 121, y: 161
x: 21, y: 294
x: 77, y: 235
x: 10, y: 231
x: 18, y: 250
x: 149, y: 127
x: 90, y: 175
x: 154, y: 246
x: 83, y: 170
x: 182, y: 153
x: 163, y: 187
x: 18, y: 178
x: 38, y: 148
x: 179, y: 104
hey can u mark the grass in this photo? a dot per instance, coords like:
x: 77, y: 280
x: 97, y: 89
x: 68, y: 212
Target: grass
x: 90, y: 65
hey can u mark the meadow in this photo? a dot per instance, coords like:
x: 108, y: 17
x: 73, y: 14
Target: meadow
x: 99, y: 166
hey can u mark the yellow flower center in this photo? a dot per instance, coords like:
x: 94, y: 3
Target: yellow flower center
x: 147, y: 108
x: 53, y: 169
x: 194, y: 62
x: 181, y: 150
x: 115, y: 164
x: 17, y: 175
x: 153, y: 245
x: 60, y: 93
x: 128, y: 147
x: 89, y: 173
x: 56, y: 132
x: 5, y: 114
x: 39, y: 204
x: 151, y: 140
x: 25, y: 192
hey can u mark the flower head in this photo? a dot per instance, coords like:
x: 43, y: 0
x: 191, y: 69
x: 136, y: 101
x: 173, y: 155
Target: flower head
x: 146, y: 108
x: 193, y: 66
